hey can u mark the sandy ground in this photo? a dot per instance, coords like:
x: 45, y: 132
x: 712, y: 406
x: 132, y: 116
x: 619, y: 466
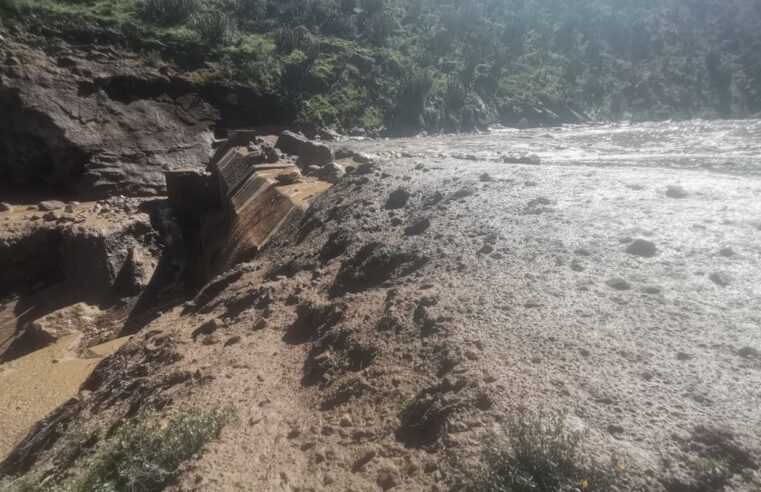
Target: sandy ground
x: 383, y: 339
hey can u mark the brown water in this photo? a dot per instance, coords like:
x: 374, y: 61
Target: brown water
x: 731, y: 146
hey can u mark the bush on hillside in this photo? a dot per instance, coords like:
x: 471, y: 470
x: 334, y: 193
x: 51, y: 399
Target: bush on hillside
x: 170, y: 12
x: 213, y: 27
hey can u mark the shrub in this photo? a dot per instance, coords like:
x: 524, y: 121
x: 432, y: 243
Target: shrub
x: 214, y: 27
x: 144, y: 455
x: 712, y: 473
x: 542, y: 455
x: 170, y: 12
x: 288, y: 39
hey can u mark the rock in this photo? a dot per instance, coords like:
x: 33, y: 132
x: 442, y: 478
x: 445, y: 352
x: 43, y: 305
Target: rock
x: 487, y: 249
x: 364, y: 158
x: 749, y: 352
x: 619, y: 283
x: 365, y: 168
x: 331, y: 172
x: 346, y: 421
x: 683, y: 356
x: 397, y: 199
x: 357, y: 132
x: 486, y: 178
x: 206, y: 329
x: 726, y: 252
x: 417, y: 228
x: 677, y: 192
x: 314, y: 154
x: 643, y: 248
x: 232, y: 341
x: 615, y: 429
x: 388, y: 477
x: 288, y: 178
x: 364, y: 458
x: 146, y: 123
x: 722, y: 279
x: 50, y: 216
x: 49, y: 205
x: 5, y: 207
x: 522, y: 159
x: 290, y: 142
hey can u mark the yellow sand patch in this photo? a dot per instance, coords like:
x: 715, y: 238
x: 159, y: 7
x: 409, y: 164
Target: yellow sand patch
x: 34, y: 385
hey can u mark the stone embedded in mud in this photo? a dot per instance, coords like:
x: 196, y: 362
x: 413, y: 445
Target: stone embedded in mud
x: 50, y: 205
x: 619, y: 283
x: 726, y: 252
x: 522, y: 159
x: 643, y: 248
x: 676, y: 192
x: 722, y: 279
x: 749, y: 352
x: 397, y: 199
x: 290, y: 142
x: 206, y: 329
x: 417, y: 228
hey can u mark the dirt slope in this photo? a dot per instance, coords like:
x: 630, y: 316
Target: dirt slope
x: 382, y: 339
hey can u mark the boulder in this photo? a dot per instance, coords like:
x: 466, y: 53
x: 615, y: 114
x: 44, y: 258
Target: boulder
x: 290, y: 143
x: 642, y: 247
x: 5, y: 207
x: 50, y: 205
x: 315, y: 154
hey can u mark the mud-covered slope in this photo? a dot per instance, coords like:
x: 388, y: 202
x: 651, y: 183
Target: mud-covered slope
x: 384, y: 338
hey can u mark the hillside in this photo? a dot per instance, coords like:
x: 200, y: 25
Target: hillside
x: 410, y: 65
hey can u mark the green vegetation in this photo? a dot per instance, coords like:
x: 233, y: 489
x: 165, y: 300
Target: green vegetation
x: 444, y: 64
x: 143, y: 455
x: 711, y: 474
x: 542, y: 455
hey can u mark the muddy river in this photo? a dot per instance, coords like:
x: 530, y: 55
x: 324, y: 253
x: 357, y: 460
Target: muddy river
x: 732, y: 146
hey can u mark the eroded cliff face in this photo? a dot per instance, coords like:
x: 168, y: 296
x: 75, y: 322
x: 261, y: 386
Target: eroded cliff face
x: 95, y: 121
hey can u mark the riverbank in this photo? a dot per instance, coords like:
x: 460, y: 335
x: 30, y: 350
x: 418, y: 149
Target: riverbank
x: 396, y: 330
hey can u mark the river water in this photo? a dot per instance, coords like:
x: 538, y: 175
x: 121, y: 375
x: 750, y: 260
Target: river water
x: 728, y: 146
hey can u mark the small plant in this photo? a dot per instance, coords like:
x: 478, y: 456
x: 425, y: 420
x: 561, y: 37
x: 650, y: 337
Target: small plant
x: 542, y: 455
x: 143, y: 455
x: 170, y: 12
x: 214, y: 27
x: 712, y: 473
x: 289, y: 39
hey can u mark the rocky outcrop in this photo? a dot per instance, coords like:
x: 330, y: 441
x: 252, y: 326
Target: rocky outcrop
x: 96, y: 122
x: 101, y: 120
